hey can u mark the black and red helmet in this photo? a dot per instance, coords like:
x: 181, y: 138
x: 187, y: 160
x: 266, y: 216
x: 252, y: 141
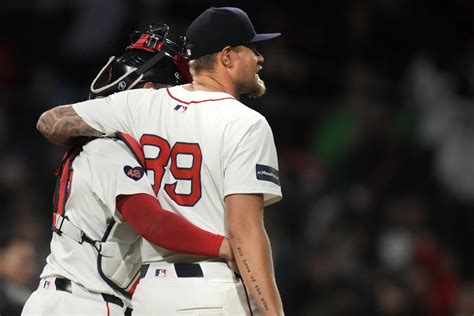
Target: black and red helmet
x: 151, y: 57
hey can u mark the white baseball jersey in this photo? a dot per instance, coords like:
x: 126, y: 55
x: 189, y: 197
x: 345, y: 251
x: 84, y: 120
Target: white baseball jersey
x: 104, y: 169
x: 199, y: 147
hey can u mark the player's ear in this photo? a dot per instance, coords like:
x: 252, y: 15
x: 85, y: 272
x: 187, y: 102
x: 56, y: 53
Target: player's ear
x: 149, y: 85
x: 226, y: 57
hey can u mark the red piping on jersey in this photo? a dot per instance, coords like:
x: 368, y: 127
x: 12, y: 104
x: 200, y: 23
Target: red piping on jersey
x: 207, y: 100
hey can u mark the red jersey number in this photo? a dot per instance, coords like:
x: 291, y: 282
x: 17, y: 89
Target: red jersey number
x: 191, y: 173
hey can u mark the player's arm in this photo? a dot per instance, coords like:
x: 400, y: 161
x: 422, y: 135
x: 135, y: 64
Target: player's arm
x: 168, y: 230
x: 61, y: 124
x: 252, y: 250
x: 120, y: 112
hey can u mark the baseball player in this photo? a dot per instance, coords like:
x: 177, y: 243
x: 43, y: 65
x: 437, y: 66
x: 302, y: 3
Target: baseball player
x: 210, y: 159
x: 104, y: 203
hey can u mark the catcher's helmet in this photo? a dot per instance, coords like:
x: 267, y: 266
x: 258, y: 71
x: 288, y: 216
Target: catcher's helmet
x: 150, y: 57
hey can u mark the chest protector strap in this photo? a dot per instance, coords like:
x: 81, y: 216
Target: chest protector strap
x: 117, y: 264
x: 62, y: 191
x: 134, y: 146
x: 118, y: 261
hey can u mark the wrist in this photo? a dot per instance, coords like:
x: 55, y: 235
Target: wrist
x: 224, y: 249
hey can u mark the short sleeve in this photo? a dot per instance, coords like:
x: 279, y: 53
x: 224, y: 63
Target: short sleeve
x: 121, y: 111
x: 251, y: 167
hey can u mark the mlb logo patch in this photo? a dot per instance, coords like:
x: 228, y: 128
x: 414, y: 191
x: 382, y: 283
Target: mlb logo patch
x: 180, y: 108
x: 161, y: 273
x: 46, y: 284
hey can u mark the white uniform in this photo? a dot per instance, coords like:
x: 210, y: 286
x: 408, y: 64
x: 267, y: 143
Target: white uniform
x: 199, y: 147
x: 100, y: 172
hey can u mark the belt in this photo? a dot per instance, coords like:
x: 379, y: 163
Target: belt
x: 169, y: 271
x: 183, y: 270
x: 65, y: 285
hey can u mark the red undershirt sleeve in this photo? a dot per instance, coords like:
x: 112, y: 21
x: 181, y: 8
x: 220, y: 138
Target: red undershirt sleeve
x: 166, y: 229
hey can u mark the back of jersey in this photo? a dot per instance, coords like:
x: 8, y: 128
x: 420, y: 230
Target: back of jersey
x: 199, y: 147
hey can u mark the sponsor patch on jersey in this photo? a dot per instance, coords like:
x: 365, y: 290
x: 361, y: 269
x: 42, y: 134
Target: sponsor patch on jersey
x: 180, y: 108
x: 134, y: 173
x: 161, y: 273
x: 267, y: 173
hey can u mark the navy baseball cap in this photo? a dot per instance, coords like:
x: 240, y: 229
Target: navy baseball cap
x: 217, y: 28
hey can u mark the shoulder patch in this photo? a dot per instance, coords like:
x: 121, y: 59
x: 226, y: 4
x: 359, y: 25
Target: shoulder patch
x: 267, y: 173
x: 134, y: 173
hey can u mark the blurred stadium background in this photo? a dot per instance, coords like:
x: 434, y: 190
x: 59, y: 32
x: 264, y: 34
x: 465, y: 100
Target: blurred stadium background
x: 371, y: 104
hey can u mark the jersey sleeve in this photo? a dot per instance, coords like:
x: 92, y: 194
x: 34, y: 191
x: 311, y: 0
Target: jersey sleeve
x: 120, y: 112
x: 251, y: 163
x: 117, y: 172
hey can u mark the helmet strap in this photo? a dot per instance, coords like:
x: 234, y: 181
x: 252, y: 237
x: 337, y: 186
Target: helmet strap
x: 128, y: 80
x: 150, y: 63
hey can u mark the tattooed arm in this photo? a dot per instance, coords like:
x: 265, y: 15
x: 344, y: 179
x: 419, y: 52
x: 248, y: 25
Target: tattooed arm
x: 252, y: 250
x: 62, y: 124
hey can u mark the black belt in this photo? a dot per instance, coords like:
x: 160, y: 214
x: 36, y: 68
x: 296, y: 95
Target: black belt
x: 66, y: 286
x: 183, y: 270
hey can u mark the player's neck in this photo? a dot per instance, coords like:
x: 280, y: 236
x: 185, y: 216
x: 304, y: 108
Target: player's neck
x: 209, y: 83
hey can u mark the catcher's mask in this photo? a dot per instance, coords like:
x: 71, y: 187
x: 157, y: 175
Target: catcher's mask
x: 151, y: 57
